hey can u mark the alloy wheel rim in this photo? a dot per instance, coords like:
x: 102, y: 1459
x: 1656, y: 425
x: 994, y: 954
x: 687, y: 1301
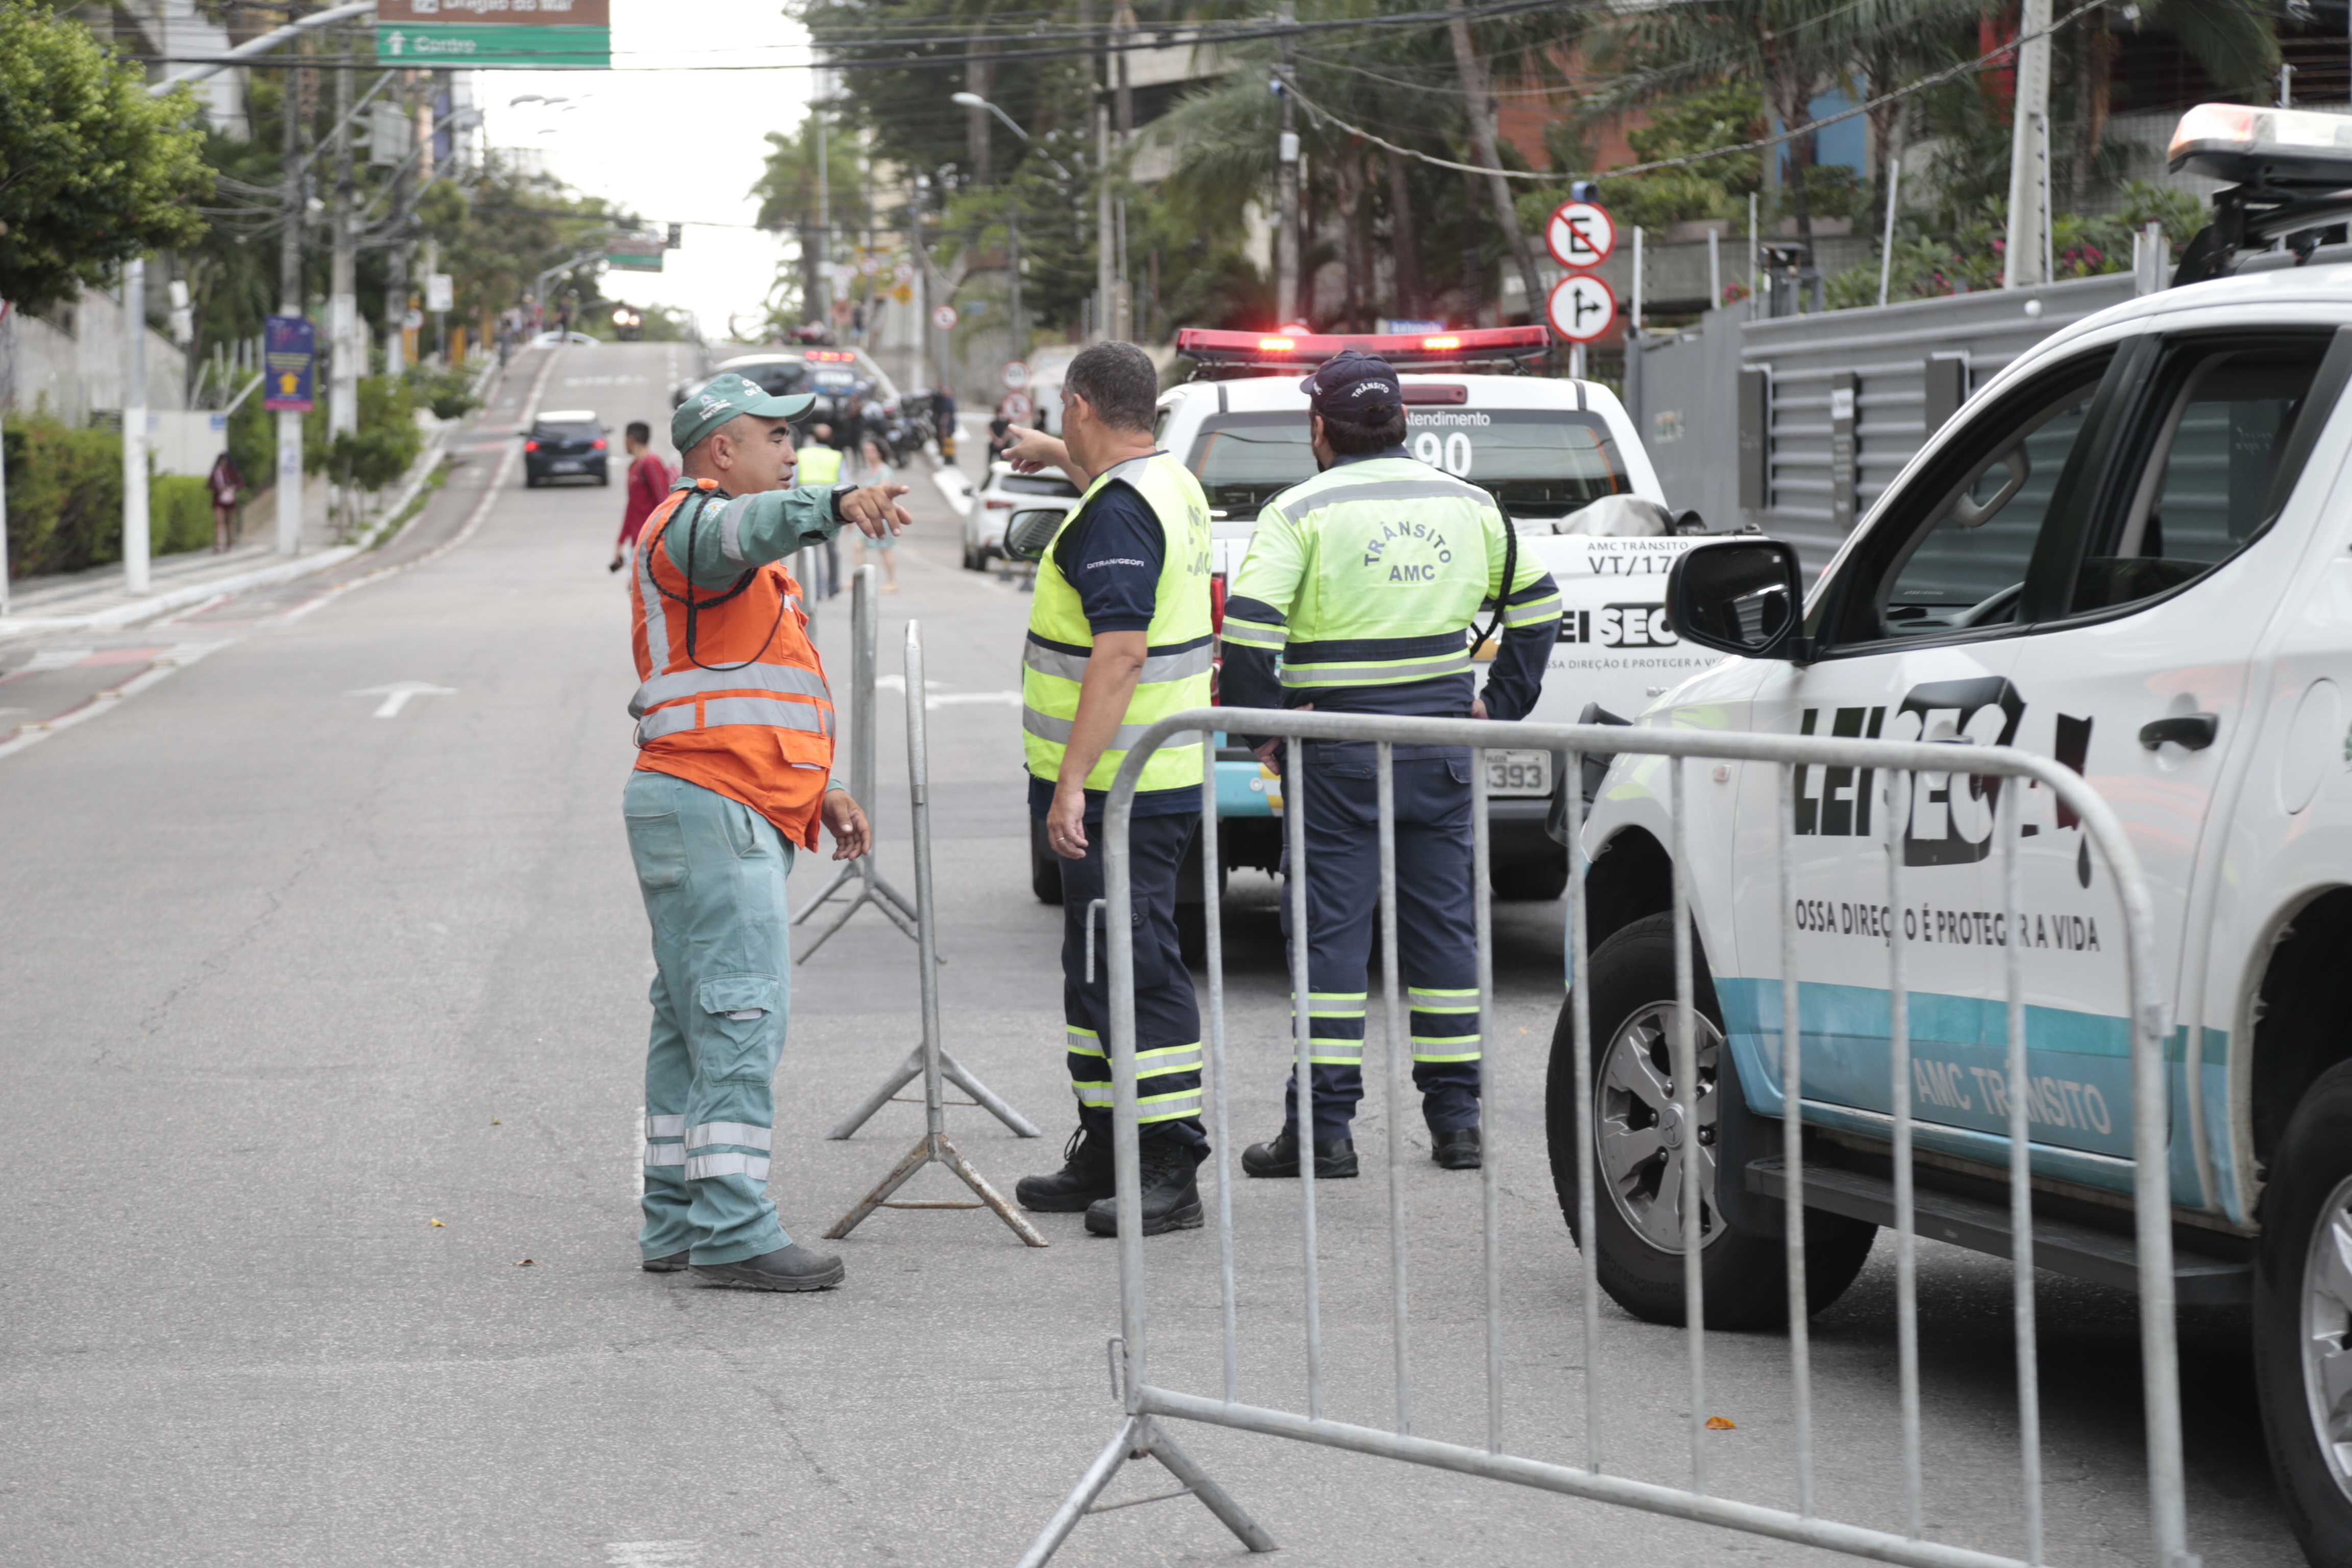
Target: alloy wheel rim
x: 2327, y: 1336
x: 1639, y: 1141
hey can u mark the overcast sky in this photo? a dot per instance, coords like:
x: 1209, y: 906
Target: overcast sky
x: 675, y: 145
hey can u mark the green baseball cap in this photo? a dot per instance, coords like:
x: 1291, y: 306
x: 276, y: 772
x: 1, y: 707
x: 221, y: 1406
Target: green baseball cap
x: 723, y: 398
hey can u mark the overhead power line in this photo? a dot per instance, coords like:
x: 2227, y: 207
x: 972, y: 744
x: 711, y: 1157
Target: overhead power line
x: 1554, y: 176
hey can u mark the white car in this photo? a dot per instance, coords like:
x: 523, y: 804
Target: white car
x: 2131, y: 552
x: 1000, y: 497
x: 1553, y: 453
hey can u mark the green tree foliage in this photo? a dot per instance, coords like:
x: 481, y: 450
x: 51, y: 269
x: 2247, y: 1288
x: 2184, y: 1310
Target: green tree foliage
x: 65, y: 495
x: 92, y: 170
x: 1935, y: 257
x: 380, y: 451
x: 498, y: 232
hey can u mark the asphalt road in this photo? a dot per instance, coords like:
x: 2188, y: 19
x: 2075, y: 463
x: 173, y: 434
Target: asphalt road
x: 318, y: 1120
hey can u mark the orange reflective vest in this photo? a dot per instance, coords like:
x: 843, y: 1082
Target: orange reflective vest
x: 732, y: 697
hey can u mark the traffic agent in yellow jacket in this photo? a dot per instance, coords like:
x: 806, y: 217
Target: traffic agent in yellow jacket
x: 1358, y: 595
x: 1119, y: 637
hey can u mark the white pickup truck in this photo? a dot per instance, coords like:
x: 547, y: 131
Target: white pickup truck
x: 2131, y: 552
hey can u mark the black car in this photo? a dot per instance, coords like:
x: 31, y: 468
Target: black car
x: 571, y: 442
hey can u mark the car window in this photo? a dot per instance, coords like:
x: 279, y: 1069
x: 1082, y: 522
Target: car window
x: 1963, y: 564
x: 1536, y: 462
x: 2207, y: 481
x: 776, y: 380
x: 1036, y: 485
x: 566, y: 432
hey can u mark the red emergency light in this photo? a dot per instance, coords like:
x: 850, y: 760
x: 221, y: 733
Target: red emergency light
x: 1277, y: 350
x: 830, y: 356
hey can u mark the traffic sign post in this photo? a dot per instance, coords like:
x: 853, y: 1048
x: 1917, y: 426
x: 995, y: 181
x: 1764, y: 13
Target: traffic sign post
x: 290, y: 359
x: 1016, y: 407
x: 1015, y: 375
x: 1581, y: 234
x: 944, y: 318
x: 1581, y: 307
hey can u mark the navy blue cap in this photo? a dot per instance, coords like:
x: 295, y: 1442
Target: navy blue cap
x: 1354, y: 389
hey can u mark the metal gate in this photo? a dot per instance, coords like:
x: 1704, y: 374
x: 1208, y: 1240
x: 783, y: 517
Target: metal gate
x: 1150, y: 1405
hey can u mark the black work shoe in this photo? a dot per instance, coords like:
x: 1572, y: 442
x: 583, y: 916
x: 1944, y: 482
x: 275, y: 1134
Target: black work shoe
x: 669, y: 1264
x: 1334, y: 1157
x: 1457, y: 1150
x: 790, y: 1267
x: 1084, y: 1179
x: 1172, y: 1197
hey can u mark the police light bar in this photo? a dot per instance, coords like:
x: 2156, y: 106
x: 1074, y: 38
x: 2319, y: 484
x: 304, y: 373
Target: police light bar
x: 2251, y: 146
x: 830, y: 356
x: 1303, y: 350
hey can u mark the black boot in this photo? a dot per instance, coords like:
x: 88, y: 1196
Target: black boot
x: 1457, y: 1150
x: 1334, y: 1157
x: 791, y: 1267
x: 672, y: 1264
x: 1171, y: 1197
x: 1085, y: 1178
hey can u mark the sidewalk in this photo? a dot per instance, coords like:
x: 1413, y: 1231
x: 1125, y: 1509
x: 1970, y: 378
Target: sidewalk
x: 96, y: 600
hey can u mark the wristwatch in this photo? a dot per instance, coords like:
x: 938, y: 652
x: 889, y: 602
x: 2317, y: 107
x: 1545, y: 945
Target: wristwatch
x: 841, y: 493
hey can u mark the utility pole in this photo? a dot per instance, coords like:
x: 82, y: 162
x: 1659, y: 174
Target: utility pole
x: 2025, y: 263
x: 396, y: 292
x: 1286, y: 188
x: 346, y: 355
x: 823, y: 206
x: 1122, y: 313
x: 1020, y: 345
x: 1106, y: 226
x: 135, y: 425
x: 289, y: 303
x: 1481, y: 105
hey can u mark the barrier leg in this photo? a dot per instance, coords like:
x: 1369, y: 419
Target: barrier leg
x: 929, y: 1060
x: 1139, y: 1436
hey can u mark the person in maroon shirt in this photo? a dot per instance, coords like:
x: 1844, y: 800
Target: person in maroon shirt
x: 649, y: 481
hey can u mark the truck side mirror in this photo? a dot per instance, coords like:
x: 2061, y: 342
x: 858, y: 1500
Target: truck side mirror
x: 1741, y: 596
x: 1028, y: 534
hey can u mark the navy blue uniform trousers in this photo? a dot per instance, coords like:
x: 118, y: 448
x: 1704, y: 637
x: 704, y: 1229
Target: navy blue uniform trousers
x: 1166, y: 1014
x: 1436, y: 930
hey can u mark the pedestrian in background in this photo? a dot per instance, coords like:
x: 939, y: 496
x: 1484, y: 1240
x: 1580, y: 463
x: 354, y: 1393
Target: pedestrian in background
x: 1365, y: 582
x: 821, y: 464
x: 1119, y: 635
x: 734, y: 750
x: 227, y: 484
x: 943, y: 421
x: 649, y: 479
x: 876, y: 471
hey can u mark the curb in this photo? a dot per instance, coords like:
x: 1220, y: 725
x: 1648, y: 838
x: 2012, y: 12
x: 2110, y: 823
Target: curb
x: 120, y: 616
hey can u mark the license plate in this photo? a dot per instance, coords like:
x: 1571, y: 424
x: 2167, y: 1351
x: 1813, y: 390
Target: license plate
x: 562, y: 468
x: 1519, y: 773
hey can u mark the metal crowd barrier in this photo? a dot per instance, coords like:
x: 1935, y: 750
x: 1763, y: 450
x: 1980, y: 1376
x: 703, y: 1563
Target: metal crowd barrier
x: 931, y: 1059
x: 1149, y: 1404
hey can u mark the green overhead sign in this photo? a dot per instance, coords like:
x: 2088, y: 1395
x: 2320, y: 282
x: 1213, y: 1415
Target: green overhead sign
x: 477, y: 46
x: 634, y: 253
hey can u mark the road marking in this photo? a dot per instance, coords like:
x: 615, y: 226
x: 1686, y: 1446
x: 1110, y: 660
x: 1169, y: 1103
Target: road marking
x: 186, y: 654
x: 396, y: 695
x: 935, y: 698
x: 651, y: 1554
x: 170, y: 663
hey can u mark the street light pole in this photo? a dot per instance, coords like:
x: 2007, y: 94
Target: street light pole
x: 289, y: 303
x: 2025, y: 263
x: 973, y: 100
x: 1286, y: 188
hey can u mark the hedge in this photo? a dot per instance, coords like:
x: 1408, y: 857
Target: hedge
x: 65, y: 500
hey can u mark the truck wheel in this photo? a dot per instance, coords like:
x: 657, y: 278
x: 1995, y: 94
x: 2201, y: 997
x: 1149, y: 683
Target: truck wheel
x: 2302, y: 1318
x: 1638, y: 1152
x: 1534, y: 877
x: 1044, y: 866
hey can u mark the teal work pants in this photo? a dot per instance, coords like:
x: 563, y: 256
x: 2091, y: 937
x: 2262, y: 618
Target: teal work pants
x: 712, y: 873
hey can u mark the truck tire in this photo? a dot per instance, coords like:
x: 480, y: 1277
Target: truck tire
x: 1636, y: 1221
x: 1044, y: 866
x: 1534, y: 878
x: 2302, y: 1318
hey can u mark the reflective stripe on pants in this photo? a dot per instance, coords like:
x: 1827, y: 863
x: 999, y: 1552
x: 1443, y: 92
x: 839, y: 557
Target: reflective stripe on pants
x: 1436, y: 933
x: 1167, y: 1015
x: 711, y: 871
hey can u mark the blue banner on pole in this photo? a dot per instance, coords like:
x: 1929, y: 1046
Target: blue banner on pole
x: 289, y: 364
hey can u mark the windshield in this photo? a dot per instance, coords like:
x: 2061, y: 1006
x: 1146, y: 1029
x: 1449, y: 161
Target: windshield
x: 776, y: 380
x: 1537, y: 462
x: 565, y: 432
